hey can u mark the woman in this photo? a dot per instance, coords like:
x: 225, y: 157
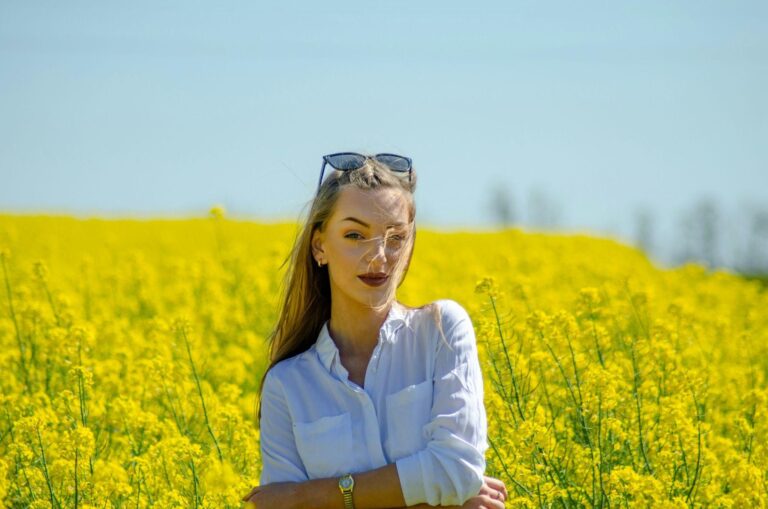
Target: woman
x: 367, y: 403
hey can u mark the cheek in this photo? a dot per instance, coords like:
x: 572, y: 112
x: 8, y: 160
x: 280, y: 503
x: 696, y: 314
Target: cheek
x: 347, y: 259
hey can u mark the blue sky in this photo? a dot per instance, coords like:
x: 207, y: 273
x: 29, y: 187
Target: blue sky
x: 603, y: 108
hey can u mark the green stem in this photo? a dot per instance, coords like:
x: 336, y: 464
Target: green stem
x: 578, y: 403
x: 173, y: 408
x: 517, y: 484
x: 54, y: 500
x: 603, y: 496
x: 509, y: 361
x: 195, y: 482
x: 22, y: 362
x: 582, y: 417
x: 81, y: 386
x: 19, y: 464
x: 138, y: 492
x: 698, y: 451
x: 200, y: 392
x: 51, y: 303
x: 636, y: 394
x: 594, y: 335
x: 77, y: 492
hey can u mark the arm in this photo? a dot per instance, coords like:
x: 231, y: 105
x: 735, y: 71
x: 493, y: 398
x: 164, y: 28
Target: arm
x: 449, y: 470
x: 280, y: 459
x: 374, y: 489
x: 281, y: 463
x: 310, y: 494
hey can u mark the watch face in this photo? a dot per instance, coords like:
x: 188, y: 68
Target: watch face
x: 346, y: 482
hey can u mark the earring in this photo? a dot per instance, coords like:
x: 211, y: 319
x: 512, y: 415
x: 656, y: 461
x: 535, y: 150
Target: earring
x: 319, y: 264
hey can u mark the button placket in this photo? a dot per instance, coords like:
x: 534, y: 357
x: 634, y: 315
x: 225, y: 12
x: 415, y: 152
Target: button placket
x: 374, y: 362
x: 372, y: 432
x: 373, y: 365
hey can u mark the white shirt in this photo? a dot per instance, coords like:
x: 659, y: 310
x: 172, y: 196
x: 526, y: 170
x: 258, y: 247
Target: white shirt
x: 421, y: 408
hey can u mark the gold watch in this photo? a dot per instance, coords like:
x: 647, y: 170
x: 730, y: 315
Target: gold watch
x: 346, y: 484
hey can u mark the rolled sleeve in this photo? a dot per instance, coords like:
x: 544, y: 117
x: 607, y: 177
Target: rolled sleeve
x: 279, y: 456
x: 450, y: 469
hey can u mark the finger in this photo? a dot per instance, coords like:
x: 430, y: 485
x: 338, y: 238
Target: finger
x: 495, y: 500
x: 498, y: 504
x: 492, y: 503
x: 497, y: 484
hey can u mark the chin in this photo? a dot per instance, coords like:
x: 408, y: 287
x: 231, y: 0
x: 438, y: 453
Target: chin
x: 375, y: 301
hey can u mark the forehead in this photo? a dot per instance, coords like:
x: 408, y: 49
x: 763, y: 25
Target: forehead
x: 381, y: 207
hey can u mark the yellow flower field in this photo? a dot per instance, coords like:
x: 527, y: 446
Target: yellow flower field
x: 131, y: 353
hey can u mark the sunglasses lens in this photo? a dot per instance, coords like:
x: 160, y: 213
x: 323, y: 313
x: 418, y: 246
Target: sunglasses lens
x: 346, y: 162
x: 394, y: 162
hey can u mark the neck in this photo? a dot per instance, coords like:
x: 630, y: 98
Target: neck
x: 355, y: 328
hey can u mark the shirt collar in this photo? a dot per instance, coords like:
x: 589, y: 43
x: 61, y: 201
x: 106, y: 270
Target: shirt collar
x: 329, y: 352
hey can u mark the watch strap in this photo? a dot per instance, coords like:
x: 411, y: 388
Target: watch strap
x: 348, y: 500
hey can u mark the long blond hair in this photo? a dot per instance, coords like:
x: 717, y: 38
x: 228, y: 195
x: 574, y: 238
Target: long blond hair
x: 306, y: 293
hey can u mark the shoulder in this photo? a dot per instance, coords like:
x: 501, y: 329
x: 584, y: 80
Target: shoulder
x: 279, y: 375
x: 445, y: 314
x: 451, y: 307
x: 451, y: 313
x: 456, y: 336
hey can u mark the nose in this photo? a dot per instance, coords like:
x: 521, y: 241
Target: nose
x: 377, y: 250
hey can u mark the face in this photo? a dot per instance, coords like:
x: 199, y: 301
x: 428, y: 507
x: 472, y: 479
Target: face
x: 364, y: 240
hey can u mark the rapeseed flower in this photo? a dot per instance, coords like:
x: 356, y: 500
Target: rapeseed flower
x: 132, y: 352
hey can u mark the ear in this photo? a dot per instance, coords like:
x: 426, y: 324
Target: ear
x: 317, y: 245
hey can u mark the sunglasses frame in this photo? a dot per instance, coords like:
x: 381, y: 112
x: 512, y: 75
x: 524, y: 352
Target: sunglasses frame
x: 365, y: 158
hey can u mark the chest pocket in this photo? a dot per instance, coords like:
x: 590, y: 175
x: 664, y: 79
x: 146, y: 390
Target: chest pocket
x: 325, y: 445
x: 408, y: 411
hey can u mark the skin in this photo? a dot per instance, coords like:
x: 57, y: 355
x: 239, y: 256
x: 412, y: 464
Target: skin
x: 351, y: 249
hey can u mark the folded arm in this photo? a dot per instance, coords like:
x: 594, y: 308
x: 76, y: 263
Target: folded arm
x: 374, y: 489
x: 446, y: 473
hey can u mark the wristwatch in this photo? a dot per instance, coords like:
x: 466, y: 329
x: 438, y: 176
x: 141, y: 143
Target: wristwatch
x: 346, y: 484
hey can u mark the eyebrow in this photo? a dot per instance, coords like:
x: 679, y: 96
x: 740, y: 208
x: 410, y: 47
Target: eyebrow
x: 356, y: 220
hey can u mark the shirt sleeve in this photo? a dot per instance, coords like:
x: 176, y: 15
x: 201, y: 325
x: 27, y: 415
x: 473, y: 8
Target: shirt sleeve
x: 450, y: 469
x: 279, y: 457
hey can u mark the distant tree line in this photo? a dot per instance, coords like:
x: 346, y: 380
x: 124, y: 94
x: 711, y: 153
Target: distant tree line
x: 702, y: 233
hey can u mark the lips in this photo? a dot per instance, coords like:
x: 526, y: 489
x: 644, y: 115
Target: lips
x: 376, y: 279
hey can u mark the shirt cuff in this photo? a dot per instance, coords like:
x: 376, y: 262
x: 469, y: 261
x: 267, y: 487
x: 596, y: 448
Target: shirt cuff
x: 411, y: 479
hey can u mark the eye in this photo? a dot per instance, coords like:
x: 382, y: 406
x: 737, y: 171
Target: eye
x: 398, y: 237
x: 353, y: 236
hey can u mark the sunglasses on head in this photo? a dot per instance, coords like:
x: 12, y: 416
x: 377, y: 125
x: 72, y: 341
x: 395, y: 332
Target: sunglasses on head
x: 346, y: 161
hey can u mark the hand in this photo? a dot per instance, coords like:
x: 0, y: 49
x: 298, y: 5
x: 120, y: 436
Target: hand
x: 492, y: 495
x: 272, y: 495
